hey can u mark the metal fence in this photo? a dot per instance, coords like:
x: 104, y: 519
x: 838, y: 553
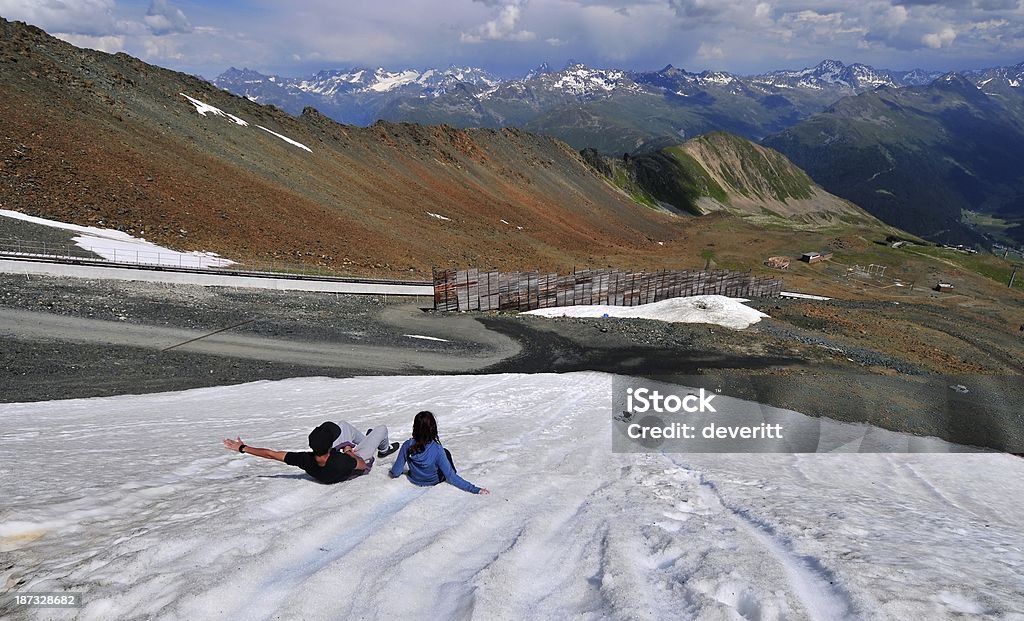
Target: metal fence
x: 110, y: 253
x: 169, y: 260
x: 475, y: 290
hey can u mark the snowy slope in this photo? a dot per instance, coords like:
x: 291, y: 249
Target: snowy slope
x: 134, y: 501
x: 716, y: 309
x: 119, y: 246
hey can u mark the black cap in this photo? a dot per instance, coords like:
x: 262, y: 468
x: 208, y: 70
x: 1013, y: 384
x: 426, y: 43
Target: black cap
x: 322, y: 438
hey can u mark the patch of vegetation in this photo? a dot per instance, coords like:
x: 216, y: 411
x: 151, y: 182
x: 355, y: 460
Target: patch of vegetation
x: 987, y: 265
x: 620, y: 174
x: 701, y: 180
x: 763, y: 173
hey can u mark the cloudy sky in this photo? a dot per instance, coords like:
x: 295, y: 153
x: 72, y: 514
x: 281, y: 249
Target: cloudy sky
x: 509, y: 37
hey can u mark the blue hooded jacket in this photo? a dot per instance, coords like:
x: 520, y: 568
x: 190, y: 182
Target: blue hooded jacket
x: 425, y: 467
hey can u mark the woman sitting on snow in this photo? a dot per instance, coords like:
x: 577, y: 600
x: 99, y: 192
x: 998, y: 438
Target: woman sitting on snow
x: 429, y: 462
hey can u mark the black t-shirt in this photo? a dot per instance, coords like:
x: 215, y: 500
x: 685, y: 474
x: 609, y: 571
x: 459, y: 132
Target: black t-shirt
x: 339, y: 466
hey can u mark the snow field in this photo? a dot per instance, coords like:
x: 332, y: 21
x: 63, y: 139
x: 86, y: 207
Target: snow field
x: 717, y: 309
x: 121, y: 247
x: 134, y: 501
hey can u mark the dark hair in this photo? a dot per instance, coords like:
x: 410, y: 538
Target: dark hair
x: 424, y: 431
x: 322, y: 438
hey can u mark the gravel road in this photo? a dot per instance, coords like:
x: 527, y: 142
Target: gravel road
x: 70, y: 338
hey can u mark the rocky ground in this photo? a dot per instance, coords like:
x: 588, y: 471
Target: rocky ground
x: 855, y: 361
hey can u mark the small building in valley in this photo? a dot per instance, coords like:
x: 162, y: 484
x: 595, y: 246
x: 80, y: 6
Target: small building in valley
x: 814, y: 257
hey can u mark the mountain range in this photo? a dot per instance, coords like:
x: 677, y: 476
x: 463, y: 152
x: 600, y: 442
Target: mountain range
x: 107, y: 140
x: 915, y: 148
x: 612, y: 110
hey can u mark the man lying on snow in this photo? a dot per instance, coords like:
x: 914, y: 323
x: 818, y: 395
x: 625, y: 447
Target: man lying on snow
x: 339, y: 451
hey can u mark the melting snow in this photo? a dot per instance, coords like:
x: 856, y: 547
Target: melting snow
x: 438, y: 216
x: 148, y: 514
x: 204, y: 108
x: 286, y: 138
x: 123, y: 248
x: 716, y: 309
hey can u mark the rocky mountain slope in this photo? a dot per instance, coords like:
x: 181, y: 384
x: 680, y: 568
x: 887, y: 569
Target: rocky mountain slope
x: 917, y: 157
x: 724, y: 172
x: 93, y: 138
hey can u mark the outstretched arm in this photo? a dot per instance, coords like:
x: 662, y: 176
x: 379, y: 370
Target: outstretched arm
x: 456, y: 480
x: 236, y: 444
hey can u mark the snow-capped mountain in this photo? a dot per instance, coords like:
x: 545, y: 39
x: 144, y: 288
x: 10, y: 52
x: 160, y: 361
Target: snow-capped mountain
x: 999, y: 79
x: 681, y: 82
x: 538, y: 71
x: 358, y: 80
x: 578, y: 80
x: 917, y: 77
x: 613, y: 109
x: 834, y: 75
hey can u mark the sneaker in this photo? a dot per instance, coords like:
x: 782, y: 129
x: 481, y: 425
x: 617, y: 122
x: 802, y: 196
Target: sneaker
x: 391, y: 449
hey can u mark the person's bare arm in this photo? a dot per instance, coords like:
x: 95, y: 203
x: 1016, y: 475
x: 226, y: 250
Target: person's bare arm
x: 360, y: 464
x: 234, y: 445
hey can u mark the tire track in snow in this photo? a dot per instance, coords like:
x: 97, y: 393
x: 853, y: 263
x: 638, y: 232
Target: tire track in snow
x: 814, y: 584
x: 315, y: 554
x: 908, y: 472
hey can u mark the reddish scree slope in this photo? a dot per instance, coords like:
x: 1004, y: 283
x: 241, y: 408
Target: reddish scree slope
x: 100, y: 139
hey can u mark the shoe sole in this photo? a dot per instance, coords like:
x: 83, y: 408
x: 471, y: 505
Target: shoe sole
x: 392, y: 449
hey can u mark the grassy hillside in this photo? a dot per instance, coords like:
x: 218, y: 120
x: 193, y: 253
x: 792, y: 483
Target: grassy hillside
x: 723, y: 172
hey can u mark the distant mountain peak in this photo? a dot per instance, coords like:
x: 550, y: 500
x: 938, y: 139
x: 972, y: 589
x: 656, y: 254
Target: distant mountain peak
x: 541, y: 69
x: 245, y: 71
x: 956, y: 79
x: 831, y: 63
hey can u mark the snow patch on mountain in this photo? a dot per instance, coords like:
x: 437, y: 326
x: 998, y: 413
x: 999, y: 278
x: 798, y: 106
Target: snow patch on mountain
x: 204, y: 108
x: 580, y: 80
x: 384, y: 81
x: 286, y: 138
x: 121, y: 247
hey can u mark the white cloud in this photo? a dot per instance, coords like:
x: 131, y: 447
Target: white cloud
x: 697, y: 8
x: 110, y: 43
x: 83, y: 17
x: 710, y: 51
x: 941, y: 39
x: 162, y: 18
x: 504, y: 27
x: 895, y: 16
x: 162, y: 48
